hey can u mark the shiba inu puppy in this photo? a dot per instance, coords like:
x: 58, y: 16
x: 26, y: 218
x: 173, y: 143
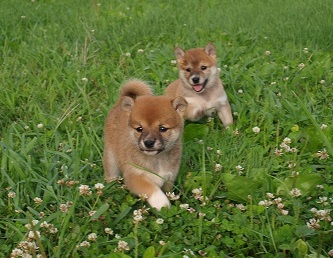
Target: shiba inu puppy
x: 143, y: 141
x: 200, y: 85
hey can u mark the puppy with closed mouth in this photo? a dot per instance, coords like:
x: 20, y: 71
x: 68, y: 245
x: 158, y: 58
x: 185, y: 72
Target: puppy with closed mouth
x: 200, y: 85
x: 142, y: 141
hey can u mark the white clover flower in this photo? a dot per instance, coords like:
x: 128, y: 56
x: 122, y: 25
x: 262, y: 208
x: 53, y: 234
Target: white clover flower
x: 184, y: 206
x: 44, y: 224
x: 322, y: 81
x: 39, y: 126
x: 143, y: 196
x: 305, y: 50
x: 322, y: 199
x: 197, y: 191
x: 323, y: 154
x: 137, y: 212
x: 26, y: 127
x: 294, y: 173
x: 159, y: 221
x: 92, y: 237
x: 218, y: 152
x: 256, y: 129
x: 280, y: 206
x: 172, y: 196
x: 295, y: 192
x: 138, y: 218
x: 99, y: 186
x: 285, y: 147
x: 270, y: 196
x: 287, y: 140
x: 173, y: 62
x: 284, y: 212
x: 191, y: 210
x: 11, y: 194
x: 108, y: 231
x: 323, y: 215
x: 161, y: 242
x: 239, y: 168
x: 92, y: 213
x: 128, y: 54
x: 265, y: 203
x: 123, y: 245
x: 218, y: 167
x: 33, y: 234
x: 267, y: 52
x: 63, y: 208
x: 84, y: 79
x: 313, y: 223
x: 323, y: 126
x: 84, y: 190
x: 241, y: 207
x: 278, y: 152
x: 85, y: 244
x: 301, y: 66
x: 16, y: 253
x: 240, y: 91
x: 140, y: 51
x: 38, y: 200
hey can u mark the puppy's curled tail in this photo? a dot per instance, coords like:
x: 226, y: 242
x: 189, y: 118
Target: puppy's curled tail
x: 134, y: 88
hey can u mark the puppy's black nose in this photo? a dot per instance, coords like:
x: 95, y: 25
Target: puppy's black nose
x: 195, y: 80
x: 149, y: 143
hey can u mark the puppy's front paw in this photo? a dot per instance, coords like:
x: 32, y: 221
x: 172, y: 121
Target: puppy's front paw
x: 159, y: 200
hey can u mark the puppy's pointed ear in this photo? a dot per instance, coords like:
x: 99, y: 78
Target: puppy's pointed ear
x: 211, y: 50
x: 180, y: 104
x: 127, y: 103
x: 179, y: 53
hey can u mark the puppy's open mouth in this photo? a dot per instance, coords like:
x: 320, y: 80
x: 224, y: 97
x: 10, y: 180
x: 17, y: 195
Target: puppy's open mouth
x: 199, y: 87
x: 151, y: 152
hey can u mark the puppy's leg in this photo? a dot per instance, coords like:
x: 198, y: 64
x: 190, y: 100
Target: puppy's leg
x: 139, y: 184
x: 111, y: 170
x: 225, y: 114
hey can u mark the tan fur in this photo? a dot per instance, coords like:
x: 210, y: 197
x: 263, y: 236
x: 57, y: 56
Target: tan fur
x: 200, y: 85
x: 142, y: 140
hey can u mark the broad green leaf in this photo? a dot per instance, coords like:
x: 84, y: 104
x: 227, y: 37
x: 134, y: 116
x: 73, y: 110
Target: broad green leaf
x: 304, y: 182
x: 100, y: 211
x: 195, y: 131
x: 240, y: 187
x: 149, y: 253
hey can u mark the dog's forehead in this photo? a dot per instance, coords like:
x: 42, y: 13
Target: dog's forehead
x: 196, y: 57
x: 154, y: 110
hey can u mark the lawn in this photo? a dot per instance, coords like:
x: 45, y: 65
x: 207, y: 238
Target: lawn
x: 262, y: 188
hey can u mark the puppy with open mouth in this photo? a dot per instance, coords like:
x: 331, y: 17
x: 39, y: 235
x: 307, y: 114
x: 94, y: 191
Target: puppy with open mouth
x: 200, y: 85
x: 142, y: 141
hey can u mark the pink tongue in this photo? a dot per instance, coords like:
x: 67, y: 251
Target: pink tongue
x: 197, y: 87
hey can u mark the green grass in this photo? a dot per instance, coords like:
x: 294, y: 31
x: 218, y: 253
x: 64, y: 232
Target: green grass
x: 52, y: 120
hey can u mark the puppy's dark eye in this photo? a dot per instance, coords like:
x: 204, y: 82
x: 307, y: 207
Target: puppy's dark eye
x: 139, y: 129
x: 203, y: 67
x: 188, y: 69
x: 163, y: 129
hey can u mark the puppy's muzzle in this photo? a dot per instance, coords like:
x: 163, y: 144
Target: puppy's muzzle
x: 149, y: 143
x: 195, y: 80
